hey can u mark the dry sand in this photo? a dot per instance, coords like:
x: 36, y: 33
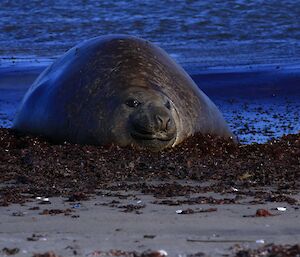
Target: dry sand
x: 91, y: 227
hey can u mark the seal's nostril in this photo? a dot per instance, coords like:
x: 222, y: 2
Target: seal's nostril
x: 168, y: 124
x: 159, y: 120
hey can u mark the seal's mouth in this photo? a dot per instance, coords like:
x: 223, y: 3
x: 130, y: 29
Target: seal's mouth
x: 150, y: 136
x: 153, y: 142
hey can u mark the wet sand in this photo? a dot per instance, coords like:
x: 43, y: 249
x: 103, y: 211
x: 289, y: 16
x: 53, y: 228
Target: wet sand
x: 203, y: 196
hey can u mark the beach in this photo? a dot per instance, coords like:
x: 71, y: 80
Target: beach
x: 204, y: 197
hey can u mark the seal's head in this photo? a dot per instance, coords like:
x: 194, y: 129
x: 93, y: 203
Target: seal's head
x: 145, y: 118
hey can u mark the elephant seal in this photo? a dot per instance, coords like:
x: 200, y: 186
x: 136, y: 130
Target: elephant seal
x: 118, y: 89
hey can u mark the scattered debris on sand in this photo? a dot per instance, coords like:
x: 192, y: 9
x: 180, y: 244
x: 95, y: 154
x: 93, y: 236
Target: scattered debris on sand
x: 270, y: 250
x: 31, y: 167
x: 10, y: 251
x: 46, y: 254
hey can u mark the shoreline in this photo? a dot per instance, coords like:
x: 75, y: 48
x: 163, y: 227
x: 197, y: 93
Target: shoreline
x: 241, y: 81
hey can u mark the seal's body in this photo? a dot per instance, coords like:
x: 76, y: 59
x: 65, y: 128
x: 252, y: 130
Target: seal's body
x: 118, y: 90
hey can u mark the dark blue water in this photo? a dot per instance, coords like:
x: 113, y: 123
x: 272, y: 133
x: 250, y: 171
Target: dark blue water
x: 198, y: 34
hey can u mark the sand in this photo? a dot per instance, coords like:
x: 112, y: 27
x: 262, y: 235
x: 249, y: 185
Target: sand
x: 92, y: 227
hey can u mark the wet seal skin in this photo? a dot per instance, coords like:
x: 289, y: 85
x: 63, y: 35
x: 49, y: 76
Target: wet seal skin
x: 118, y: 89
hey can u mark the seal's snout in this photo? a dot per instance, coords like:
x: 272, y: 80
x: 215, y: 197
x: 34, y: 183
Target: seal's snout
x: 161, y: 119
x: 163, y: 122
x: 153, y: 126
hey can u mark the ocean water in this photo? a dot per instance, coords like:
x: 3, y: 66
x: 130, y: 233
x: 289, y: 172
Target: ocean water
x: 198, y: 34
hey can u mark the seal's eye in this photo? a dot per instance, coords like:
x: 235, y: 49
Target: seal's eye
x: 168, y: 105
x: 133, y: 103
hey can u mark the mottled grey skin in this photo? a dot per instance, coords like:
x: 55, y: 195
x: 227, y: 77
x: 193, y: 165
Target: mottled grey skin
x: 118, y: 89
